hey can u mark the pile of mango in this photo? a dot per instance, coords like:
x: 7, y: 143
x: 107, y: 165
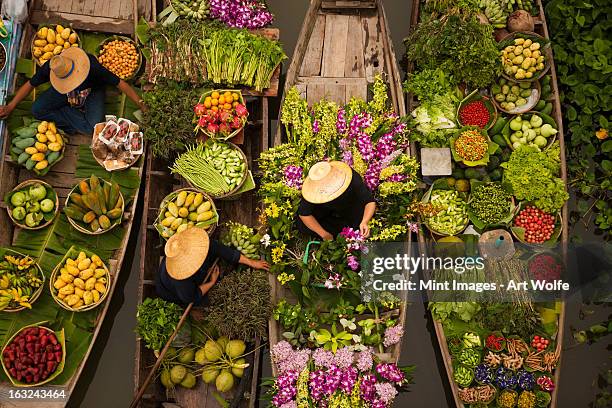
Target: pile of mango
x: 37, y: 146
x: 95, y: 204
x: 52, y: 41
x: 81, y: 281
x: 187, y: 209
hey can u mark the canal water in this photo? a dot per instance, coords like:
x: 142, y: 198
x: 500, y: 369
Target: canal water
x: 107, y: 381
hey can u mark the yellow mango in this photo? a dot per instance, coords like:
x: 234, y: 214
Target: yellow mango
x: 82, y: 256
x: 96, y: 295
x: 59, y: 28
x: 31, y: 150
x: 71, y: 261
x: 66, y: 277
x: 60, y: 296
x: 100, y: 288
x: 72, y: 300
x: 67, y: 290
x: 207, y: 215
x: 73, y: 270
x: 46, y: 56
x: 72, y: 38
x: 90, y: 284
x: 40, y: 43
x: 78, y: 304
x: 41, y: 165
x: 57, y: 49
x: 41, y: 137
x: 38, y: 52
x: 79, y: 292
x: 51, y: 36
x: 41, y: 147
x: 60, y: 42
x: 102, y: 280
x: 66, y: 45
x: 96, y: 260
x: 86, y: 274
x: 59, y: 284
x: 79, y: 283
x: 51, y: 127
x: 84, y: 264
x: 42, y: 126
x: 38, y: 156
x: 42, y: 33
x: 49, y: 48
x: 65, y: 34
x: 54, y: 147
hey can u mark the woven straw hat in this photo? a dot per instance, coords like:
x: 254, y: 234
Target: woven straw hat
x: 69, y: 69
x: 326, y: 181
x: 186, y: 252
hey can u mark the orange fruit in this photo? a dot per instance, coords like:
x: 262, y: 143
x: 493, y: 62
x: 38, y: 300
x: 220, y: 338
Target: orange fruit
x: 222, y: 100
x: 215, y: 95
x: 235, y: 96
x: 235, y: 104
x: 227, y: 106
x: 215, y: 108
x: 207, y: 104
x: 228, y: 95
x: 214, y: 102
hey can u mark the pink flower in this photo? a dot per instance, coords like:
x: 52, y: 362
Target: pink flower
x: 343, y: 357
x: 315, y: 126
x: 365, y: 360
x: 341, y: 122
x: 323, y: 358
x: 413, y: 226
x: 372, y: 175
x: 334, y: 281
x: 352, y: 262
x: 393, y: 335
x: 390, y: 372
x: 293, y: 176
x: 241, y: 13
x: 386, y: 392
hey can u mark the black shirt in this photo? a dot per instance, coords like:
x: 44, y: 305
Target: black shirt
x: 349, y: 206
x: 98, y: 76
x: 187, y: 290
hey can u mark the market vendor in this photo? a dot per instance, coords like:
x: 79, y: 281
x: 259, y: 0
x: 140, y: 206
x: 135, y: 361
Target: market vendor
x: 190, y: 254
x: 334, y: 196
x: 75, y: 101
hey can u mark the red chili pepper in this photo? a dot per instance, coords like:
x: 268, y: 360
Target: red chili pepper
x: 494, y: 342
x: 474, y: 113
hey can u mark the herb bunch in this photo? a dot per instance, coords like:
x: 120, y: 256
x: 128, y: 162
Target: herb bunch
x: 157, y: 320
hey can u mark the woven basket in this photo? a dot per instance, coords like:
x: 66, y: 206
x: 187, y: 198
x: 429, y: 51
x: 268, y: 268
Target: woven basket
x: 525, y: 108
x: 128, y: 40
x: 215, y: 136
x: 53, y: 26
x: 164, y: 204
x: 491, y: 108
x: 77, y: 224
x: 73, y: 252
x: 27, y: 183
x: 36, y: 294
x: 545, y: 48
x: 97, y: 129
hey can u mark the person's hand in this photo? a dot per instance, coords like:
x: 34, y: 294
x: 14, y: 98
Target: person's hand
x: 259, y: 264
x: 327, y: 236
x: 5, y: 110
x: 364, y: 228
x: 216, y: 271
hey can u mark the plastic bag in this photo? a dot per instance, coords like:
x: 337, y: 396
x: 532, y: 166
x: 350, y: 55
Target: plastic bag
x: 17, y: 10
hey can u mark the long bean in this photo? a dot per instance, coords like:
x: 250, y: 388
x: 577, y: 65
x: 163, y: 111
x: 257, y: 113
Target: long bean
x: 194, y: 166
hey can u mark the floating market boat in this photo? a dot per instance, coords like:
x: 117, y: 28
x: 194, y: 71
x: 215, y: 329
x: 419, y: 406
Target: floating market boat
x: 342, y: 47
x: 425, y: 238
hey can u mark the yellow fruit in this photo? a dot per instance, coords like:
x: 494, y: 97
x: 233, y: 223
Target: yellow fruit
x: 79, y: 292
x: 176, y: 223
x: 41, y: 165
x: 74, y: 45
x: 166, y: 222
x: 99, y: 273
x: 42, y: 33
x: 180, y: 198
x: 205, y: 206
x: 173, y: 208
x: 72, y: 38
x: 59, y: 284
x: 47, y: 56
x: 96, y: 260
x: 42, y: 126
x: 206, y: 215
x: 60, y: 41
x: 79, y: 283
x: 38, y: 156
x: 54, y: 147
x: 51, y: 36
x: 86, y: 274
x: 90, y: 283
x: 183, y: 212
x: 96, y: 295
x: 66, y: 277
x: 198, y: 199
x: 71, y: 262
x: 51, y: 137
x: 182, y: 228
x: 65, y: 34
x: 60, y: 296
x: 38, y: 51
x: 67, y: 290
x: 100, y: 287
x: 57, y: 50
x: 59, y: 28
x: 84, y: 264
x: 31, y: 150
x: 88, y: 297
x: 78, y: 304
x: 189, y: 199
x: 73, y: 270
x: 41, y: 137
x: 41, y: 147
x: 59, y: 138
x: 40, y: 43
x: 66, y: 45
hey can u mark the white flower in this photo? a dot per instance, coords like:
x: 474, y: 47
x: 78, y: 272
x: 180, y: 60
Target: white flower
x: 265, y: 241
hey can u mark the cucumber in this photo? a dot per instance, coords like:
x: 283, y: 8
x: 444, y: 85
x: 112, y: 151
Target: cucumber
x: 23, y: 157
x: 499, y: 125
x: 547, y: 110
x: 540, y: 105
x: 23, y: 143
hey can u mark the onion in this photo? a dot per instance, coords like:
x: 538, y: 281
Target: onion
x: 520, y: 20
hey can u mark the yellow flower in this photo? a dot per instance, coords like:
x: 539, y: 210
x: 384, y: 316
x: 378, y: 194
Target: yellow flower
x: 277, y: 253
x: 602, y: 134
x: 272, y: 211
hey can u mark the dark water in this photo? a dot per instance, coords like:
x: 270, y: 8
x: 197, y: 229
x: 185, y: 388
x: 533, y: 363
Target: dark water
x: 108, y: 378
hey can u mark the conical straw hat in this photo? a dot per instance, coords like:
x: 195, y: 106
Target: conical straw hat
x: 326, y: 181
x: 186, y: 252
x: 69, y: 69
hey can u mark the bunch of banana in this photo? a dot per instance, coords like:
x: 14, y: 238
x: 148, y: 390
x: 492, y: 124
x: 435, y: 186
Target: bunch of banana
x: 526, y: 5
x: 81, y: 281
x: 19, y: 279
x: 98, y: 204
x: 495, y: 11
x: 51, y: 41
x: 195, y: 9
x: 186, y: 210
x: 243, y: 238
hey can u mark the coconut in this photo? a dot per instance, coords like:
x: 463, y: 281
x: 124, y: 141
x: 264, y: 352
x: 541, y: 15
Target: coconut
x: 225, y: 381
x: 222, y: 341
x: 238, y: 367
x: 189, y: 381
x: 209, y: 374
x: 170, y: 354
x: 520, y: 20
x: 212, y: 351
x: 500, y: 34
x: 200, y: 356
x: 165, y: 378
x: 186, y: 355
x: 177, y: 373
x: 235, y: 348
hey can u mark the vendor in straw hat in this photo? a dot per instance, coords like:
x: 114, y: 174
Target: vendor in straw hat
x: 189, y: 257
x: 334, y: 196
x: 75, y: 101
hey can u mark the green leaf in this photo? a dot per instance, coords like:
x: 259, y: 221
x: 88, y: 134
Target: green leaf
x: 606, y: 165
x: 606, y: 146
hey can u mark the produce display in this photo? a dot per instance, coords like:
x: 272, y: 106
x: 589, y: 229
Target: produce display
x: 32, y: 204
x: 490, y: 203
x: 474, y: 113
x: 156, y: 320
x: 80, y: 282
x: 515, y: 97
x: 524, y: 59
x: 21, y: 282
x: 215, y: 167
x: 117, y: 143
x: 120, y: 56
x: 451, y: 212
x: 536, y: 225
x: 197, y: 10
x: 185, y: 209
x: 35, y: 355
x: 221, y: 114
x: 95, y: 206
x: 243, y: 238
x: 37, y: 146
x: 530, y: 130
x: 52, y: 40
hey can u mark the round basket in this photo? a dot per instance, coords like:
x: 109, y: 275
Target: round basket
x: 80, y: 228
x: 235, y: 131
x: 128, y: 40
x: 164, y: 204
x: 36, y: 294
x: 491, y: 147
x: 97, y: 130
x: 3, y: 61
x: 53, y: 26
x: 71, y: 252
x: 426, y: 199
x: 545, y: 48
x: 27, y: 183
x: 536, y: 92
x: 475, y: 96
x: 517, y: 232
x: 60, y: 367
x: 239, y: 186
x: 506, y: 131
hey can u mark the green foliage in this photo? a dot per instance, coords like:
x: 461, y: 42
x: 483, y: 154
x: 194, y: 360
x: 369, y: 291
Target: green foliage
x: 445, y: 311
x: 581, y: 45
x: 459, y: 45
x: 428, y: 83
x: 532, y: 176
x: 157, y: 320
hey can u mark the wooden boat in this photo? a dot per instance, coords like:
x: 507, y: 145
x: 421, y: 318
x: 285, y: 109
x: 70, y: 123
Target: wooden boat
x: 541, y: 28
x: 159, y: 183
x: 342, y: 46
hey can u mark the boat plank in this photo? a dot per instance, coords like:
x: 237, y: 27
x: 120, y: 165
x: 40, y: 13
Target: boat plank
x: 83, y: 22
x: 358, y: 90
x: 336, y: 93
x: 373, y: 47
x: 314, y: 93
x: 311, y: 66
x: 354, y: 60
x: 334, y: 46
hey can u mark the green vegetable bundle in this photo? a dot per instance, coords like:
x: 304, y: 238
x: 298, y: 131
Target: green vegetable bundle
x: 243, y: 238
x: 490, y: 203
x: 157, y: 320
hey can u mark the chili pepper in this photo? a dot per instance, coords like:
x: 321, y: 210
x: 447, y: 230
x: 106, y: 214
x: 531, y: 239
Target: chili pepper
x: 539, y: 226
x: 474, y: 113
x: 494, y: 342
x: 471, y: 145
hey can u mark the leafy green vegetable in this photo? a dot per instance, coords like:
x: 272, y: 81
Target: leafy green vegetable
x: 435, y: 120
x: 532, y: 176
x: 429, y: 83
x: 157, y: 320
x: 444, y: 311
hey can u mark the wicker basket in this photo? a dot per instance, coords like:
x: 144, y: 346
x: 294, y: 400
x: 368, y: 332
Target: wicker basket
x: 27, y: 183
x: 128, y: 40
x: 545, y: 50
x: 62, y: 340
x: 80, y: 228
x: 97, y: 129
x: 525, y: 108
x: 53, y: 26
x: 517, y: 231
x: 164, y: 204
x: 73, y: 252
x: 36, y: 294
x: 491, y: 108
x: 215, y: 136
x: 506, y: 131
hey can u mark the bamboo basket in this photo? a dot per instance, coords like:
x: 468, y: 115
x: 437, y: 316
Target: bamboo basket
x: 124, y: 39
x: 53, y: 26
x: 84, y: 230
x: 73, y: 252
x: 525, y: 108
x: 545, y: 48
x: 62, y: 340
x: 28, y: 183
x: 36, y: 294
x: 235, y: 131
x: 164, y: 204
